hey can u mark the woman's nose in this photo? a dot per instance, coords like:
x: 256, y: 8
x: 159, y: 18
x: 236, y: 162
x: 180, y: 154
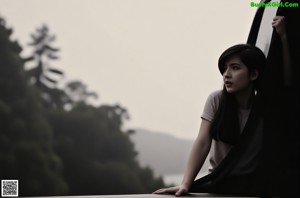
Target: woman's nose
x: 226, y: 73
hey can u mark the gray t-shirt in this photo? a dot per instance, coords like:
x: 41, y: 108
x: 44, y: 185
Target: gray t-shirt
x: 219, y: 149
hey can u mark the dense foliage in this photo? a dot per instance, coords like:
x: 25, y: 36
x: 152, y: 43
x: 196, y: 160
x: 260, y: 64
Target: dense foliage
x: 54, y: 150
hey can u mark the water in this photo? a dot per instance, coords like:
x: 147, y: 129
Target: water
x: 173, y: 179
x: 176, y: 179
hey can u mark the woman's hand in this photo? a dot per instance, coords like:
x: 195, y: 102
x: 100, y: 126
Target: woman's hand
x: 279, y: 25
x: 177, y: 190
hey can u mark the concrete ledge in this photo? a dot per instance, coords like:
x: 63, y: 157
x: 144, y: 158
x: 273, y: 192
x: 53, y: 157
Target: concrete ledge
x: 203, y: 195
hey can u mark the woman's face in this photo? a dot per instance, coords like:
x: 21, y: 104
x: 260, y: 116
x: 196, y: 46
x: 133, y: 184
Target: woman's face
x: 236, y: 75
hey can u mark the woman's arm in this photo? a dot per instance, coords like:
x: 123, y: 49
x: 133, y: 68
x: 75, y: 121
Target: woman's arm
x: 198, y: 153
x: 196, y: 159
x: 279, y: 25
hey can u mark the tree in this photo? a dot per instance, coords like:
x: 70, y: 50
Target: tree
x: 26, y: 138
x: 78, y: 93
x: 44, y: 76
x: 98, y: 156
x: 52, y: 151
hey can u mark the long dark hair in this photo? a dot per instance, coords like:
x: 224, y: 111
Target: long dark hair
x: 225, y: 126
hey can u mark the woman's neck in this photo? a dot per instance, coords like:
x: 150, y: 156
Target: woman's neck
x: 244, y: 98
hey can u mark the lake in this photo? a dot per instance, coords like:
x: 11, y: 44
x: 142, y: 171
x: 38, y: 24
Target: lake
x: 175, y: 179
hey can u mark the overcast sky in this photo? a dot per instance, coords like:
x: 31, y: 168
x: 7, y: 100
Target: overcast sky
x: 157, y: 58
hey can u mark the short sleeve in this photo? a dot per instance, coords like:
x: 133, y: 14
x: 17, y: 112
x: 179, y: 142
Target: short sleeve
x: 211, y: 105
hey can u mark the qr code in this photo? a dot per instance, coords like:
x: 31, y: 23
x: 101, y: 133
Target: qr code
x: 10, y: 188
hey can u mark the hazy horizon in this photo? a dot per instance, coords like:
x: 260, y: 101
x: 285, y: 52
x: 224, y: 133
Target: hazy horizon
x: 156, y: 58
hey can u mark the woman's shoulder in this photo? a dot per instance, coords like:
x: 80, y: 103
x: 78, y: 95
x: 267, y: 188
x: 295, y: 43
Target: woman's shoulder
x: 215, y: 95
x: 214, y: 98
x: 211, y: 105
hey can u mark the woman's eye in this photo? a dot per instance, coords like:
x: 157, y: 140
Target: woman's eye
x: 235, y: 67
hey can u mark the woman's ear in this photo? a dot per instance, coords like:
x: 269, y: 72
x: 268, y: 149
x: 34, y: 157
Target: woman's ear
x: 254, y: 75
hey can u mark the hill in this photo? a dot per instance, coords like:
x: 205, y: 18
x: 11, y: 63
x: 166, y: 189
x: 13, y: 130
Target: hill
x: 164, y: 153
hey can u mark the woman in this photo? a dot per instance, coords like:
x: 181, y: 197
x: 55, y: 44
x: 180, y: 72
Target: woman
x: 226, y: 113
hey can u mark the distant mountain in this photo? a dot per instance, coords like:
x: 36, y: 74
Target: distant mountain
x: 164, y: 153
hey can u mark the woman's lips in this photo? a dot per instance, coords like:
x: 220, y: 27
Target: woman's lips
x: 228, y: 84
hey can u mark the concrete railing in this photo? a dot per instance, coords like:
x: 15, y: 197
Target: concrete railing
x: 203, y: 195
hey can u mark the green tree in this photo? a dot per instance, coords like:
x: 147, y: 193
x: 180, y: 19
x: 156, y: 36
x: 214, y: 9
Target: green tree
x: 26, y: 138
